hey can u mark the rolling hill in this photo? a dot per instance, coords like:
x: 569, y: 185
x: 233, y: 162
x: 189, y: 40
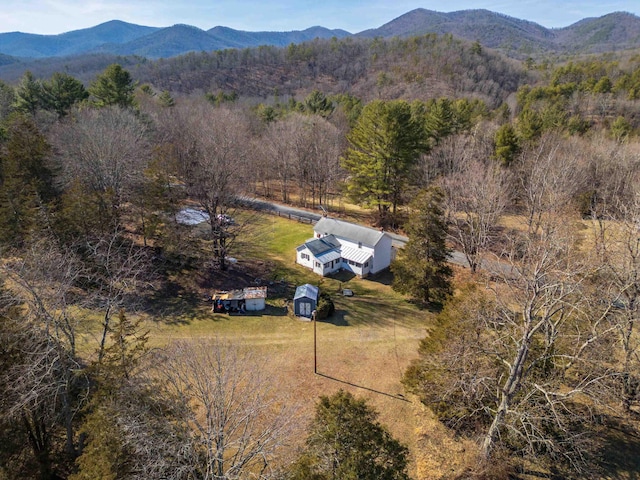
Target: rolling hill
x: 121, y: 38
x: 515, y: 37
x: 615, y: 31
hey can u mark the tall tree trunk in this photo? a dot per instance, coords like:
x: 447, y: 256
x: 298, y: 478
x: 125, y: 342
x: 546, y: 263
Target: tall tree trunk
x: 511, y: 386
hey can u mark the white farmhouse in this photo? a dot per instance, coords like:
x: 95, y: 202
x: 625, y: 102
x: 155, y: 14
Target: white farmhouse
x: 339, y: 245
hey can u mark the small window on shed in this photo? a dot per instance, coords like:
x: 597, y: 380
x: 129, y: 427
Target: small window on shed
x: 359, y: 244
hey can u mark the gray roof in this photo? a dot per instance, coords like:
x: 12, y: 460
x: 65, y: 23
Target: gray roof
x: 307, y: 290
x: 349, y: 231
x: 318, y: 246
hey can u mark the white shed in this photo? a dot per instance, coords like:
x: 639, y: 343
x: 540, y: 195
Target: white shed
x: 255, y: 298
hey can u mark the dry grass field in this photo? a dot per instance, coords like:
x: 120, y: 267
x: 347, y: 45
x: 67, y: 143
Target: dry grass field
x: 364, y: 347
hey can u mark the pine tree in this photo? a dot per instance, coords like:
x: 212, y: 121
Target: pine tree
x: 61, y: 92
x: 421, y: 269
x: 345, y: 441
x: 105, y: 455
x: 113, y: 87
x: 383, y: 146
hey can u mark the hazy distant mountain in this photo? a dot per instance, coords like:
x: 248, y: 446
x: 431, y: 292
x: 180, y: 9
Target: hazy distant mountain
x: 29, y: 45
x: 278, y: 39
x: 611, y: 32
x: 122, y: 38
x: 169, y: 42
x: 514, y: 36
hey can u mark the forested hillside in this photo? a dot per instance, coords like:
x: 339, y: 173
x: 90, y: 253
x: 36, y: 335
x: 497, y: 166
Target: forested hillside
x: 517, y: 287
x: 420, y: 67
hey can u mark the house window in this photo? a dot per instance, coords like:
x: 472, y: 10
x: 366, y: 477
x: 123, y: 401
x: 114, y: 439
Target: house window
x: 358, y: 265
x: 318, y: 264
x: 359, y: 244
x: 304, y: 256
x: 366, y: 264
x: 327, y: 265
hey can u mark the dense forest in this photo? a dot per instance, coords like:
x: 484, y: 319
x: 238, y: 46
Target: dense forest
x: 530, y: 171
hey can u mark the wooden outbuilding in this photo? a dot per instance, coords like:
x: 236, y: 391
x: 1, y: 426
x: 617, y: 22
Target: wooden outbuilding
x: 250, y: 299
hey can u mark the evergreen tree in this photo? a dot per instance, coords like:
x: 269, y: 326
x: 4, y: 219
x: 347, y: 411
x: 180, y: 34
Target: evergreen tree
x: 28, y: 94
x: 7, y: 100
x: 113, y: 87
x: 165, y: 99
x: 61, y: 92
x: 383, y: 146
x: 107, y: 453
x: 26, y: 181
x: 421, y: 269
x: 317, y: 103
x: 506, y: 144
x: 345, y: 441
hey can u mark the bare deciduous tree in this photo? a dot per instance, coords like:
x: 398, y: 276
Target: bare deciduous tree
x: 476, y: 196
x: 106, y: 150
x: 282, y: 148
x: 550, y: 176
x: 238, y: 417
x: 47, y: 386
x: 213, y: 153
x: 520, y: 365
x: 617, y: 243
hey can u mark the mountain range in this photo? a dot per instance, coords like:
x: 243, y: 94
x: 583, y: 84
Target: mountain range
x: 615, y: 31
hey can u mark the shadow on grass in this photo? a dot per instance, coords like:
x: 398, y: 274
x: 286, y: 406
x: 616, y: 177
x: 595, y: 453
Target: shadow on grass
x: 397, y: 396
x: 338, y: 319
x: 173, y: 304
x: 619, y: 447
x: 269, y: 311
x: 384, y: 277
x: 371, y: 311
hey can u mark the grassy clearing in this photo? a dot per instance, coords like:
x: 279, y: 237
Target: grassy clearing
x: 364, y: 348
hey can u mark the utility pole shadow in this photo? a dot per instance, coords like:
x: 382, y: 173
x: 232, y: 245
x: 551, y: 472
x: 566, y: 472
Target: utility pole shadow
x: 398, y: 396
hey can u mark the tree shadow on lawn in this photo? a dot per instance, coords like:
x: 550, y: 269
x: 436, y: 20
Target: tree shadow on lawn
x: 369, y: 311
x: 619, y: 447
x: 397, y: 396
x: 173, y: 304
x: 269, y: 311
x: 337, y: 319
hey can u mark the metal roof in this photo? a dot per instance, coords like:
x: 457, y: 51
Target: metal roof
x: 246, y: 293
x: 328, y: 256
x: 318, y: 246
x: 349, y: 231
x: 228, y: 295
x: 255, y: 292
x: 356, y: 254
x: 306, y: 290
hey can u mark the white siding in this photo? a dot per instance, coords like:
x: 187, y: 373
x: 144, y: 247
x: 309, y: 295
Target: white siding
x: 305, y: 258
x: 254, y: 304
x: 382, y: 255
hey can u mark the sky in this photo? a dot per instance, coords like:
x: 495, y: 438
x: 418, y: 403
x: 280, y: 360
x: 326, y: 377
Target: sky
x: 57, y: 16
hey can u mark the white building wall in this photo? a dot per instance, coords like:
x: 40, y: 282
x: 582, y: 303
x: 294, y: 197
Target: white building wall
x: 352, y: 268
x: 254, y: 304
x: 382, y: 255
x: 306, y: 262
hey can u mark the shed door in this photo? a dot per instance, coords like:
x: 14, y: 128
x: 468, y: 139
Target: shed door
x: 305, y: 309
